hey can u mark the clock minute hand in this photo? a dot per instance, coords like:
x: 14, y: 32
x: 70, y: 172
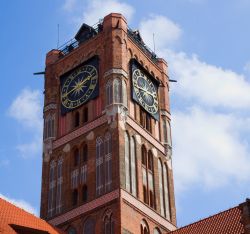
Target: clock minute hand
x: 145, y: 90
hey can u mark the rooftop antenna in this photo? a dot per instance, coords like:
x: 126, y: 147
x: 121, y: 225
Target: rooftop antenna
x: 57, y: 36
x: 154, y: 41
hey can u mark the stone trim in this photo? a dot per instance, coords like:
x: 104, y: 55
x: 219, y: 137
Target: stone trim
x: 145, y: 134
x: 51, y: 106
x: 116, y: 71
x: 80, y: 131
x: 85, y: 208
x: 133, y: 202
x: 165, y: 113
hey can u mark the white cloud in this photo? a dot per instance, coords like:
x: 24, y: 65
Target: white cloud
x: 27, y: 110
x: 247, y: 67
x: 98, y: 9
x: 69, y: 5
x: 210, y: 148
x: 208, y: 84
x: 210, y: 151
x: 166, y: 32
x: 94, y: 10
x: 21, y: 203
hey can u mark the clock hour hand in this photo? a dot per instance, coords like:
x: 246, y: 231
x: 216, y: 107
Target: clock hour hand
x: 77, y: 86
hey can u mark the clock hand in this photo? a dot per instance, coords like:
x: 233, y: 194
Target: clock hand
x: 145, y: 90
x: 80, y: 84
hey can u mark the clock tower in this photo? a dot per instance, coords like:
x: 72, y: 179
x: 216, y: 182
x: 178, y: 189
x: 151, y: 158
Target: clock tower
x: 107, y: 139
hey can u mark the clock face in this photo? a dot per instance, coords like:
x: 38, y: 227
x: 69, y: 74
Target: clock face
x: 145, y: 91
x: 78, y: 87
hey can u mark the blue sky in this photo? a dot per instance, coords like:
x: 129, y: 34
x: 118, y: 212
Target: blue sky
x: 206, y: 44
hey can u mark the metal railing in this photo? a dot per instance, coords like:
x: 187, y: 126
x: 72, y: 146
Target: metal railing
x: 72, y: 44
x: 134, y: 36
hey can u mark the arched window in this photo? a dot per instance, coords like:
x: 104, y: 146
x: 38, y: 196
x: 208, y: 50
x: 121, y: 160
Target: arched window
x: 144, y: 227
x: 74, y: 197
x: 49, y: 126
x: 161, y: 187
x: 166, y: 193
x: 133, y: 166
x: 77, y: 119
x: 109, y: 93
x: 109, y: 225
x: 117, y: 91
x: 84, y: 193
x: 108, y: 161
x: 52, y: 184
x: 59, y: 185
x: 89, y: 226
x: 127, y: 167
x: 99, y: 166
x: 71, y: 230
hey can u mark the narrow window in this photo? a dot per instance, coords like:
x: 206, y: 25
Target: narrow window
x: 108, y: 161
x: 156, y: 231
x: 84, y: 193
x: 127, y: 160
x: 144, y: 227
x: 59, y: 186
x: 76, y: 157
x: 85, y: 153
x: 169, y: 134
x: 124, y: 93
x: 83, y: 177
x: 142, y: 118
x: 77, y: 119
x: 109, y: 93
x: 74, y: 197
x: 148, y: 122
x: 133, y: 167
x: 52, y: 184
x: 117, y: 91
x: 53, y: 126
x: 85, y: 115
x: 99, y: 166
x: 89, y: 226
x: 71, y: 231
x: 160, y: 187
x: 151, y: 180
x: 166, y: 194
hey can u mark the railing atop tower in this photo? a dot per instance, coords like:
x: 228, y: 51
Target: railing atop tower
x: 135, y: 36
x: 72, y: 44
x: 86, y: 32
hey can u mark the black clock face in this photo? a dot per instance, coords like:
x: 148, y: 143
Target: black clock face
x: 145, y: 91
x: 78, y: 87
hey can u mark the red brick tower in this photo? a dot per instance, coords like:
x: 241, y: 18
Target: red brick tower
x: 107, y: 142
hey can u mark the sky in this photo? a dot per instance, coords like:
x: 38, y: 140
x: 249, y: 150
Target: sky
x: 206, y: 45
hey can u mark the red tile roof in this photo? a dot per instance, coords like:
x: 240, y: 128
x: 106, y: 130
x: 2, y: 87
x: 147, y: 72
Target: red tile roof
x: 10, y: 214
x: 226, y: 222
